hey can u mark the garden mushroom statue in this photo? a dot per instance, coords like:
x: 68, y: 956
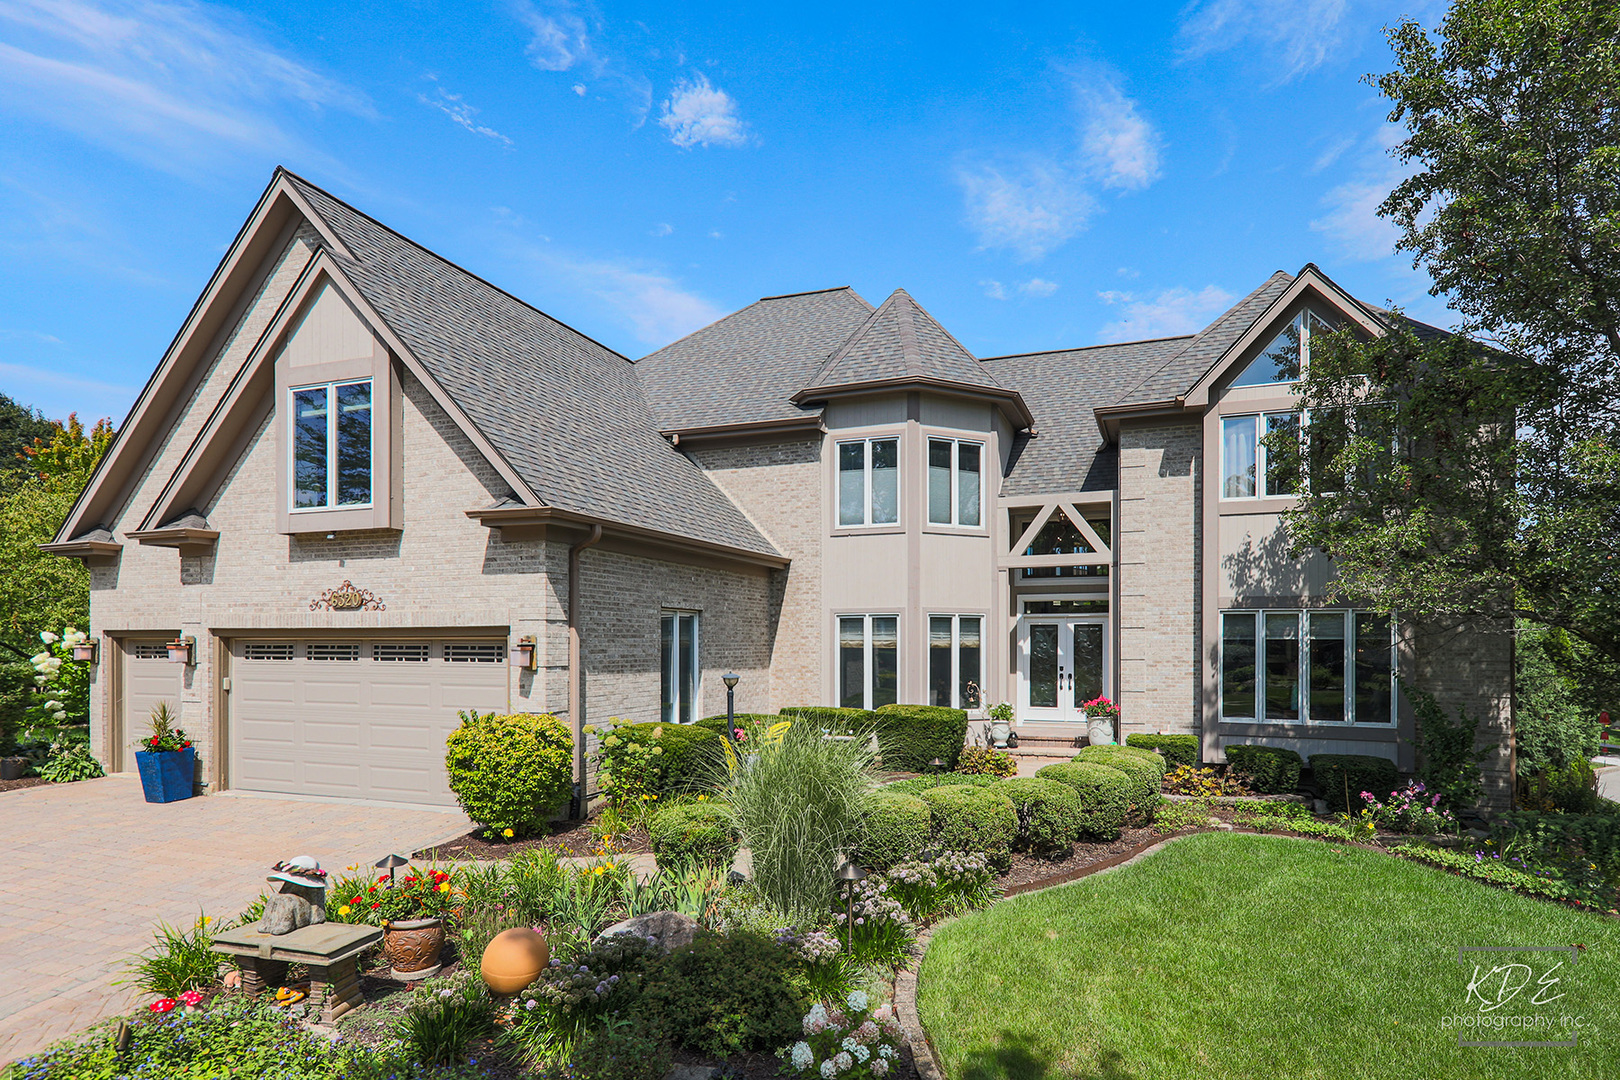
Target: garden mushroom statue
x: 300, y: 899
x: 513, y: 959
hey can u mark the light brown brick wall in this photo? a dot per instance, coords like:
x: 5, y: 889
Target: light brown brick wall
x: 1471, y: 667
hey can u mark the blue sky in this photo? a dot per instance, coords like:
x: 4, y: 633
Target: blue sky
x: 1056, y: 176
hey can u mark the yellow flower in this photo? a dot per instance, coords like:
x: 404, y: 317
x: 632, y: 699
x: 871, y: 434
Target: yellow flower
x: 507, y: 833
x: 344, y: 910
x: 601, y: 870
x: 444, y: 886
x: 208, y: 918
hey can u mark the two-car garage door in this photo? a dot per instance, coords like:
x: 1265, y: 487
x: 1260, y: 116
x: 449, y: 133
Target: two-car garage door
x: 359, y: 718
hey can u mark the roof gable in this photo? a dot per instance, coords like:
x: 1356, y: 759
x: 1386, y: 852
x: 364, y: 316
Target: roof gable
x: 900, y: 342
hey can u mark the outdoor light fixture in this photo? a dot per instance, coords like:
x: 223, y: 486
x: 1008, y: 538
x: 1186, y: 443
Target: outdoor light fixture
x: 937, y: 765
x: 731, y: 680
x: 183, y: 650
x: 849, y: 874
x: 85, y: 651
x: 522, y: 654
x: 388, y: 862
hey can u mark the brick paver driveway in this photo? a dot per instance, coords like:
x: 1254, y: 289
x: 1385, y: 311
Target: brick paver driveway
x: 87, y: 869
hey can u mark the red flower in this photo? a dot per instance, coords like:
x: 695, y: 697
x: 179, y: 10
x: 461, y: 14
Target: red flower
x: 378, y: 904
x: 356, y: 900
x: 185, y: 744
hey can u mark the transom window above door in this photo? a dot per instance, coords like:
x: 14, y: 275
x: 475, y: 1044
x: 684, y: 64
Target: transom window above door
x: 331, y: 445
x: 869, y: 482
x: 954, y: 490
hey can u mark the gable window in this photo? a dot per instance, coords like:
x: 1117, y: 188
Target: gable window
x: 1059, y: 536
x: 953, y: 482
x: 954, y: 652
x: 868, y: 661
x: 869, y: 482
x: 331, y: 446
x: 1259, y: 455
x: 678, y: 656
x: 1285, y: 357
x: 1317, y: 667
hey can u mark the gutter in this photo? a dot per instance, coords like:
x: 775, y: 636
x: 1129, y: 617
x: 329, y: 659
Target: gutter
x: 576, y: 684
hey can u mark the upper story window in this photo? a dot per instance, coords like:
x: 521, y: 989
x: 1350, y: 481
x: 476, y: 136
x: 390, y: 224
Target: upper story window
x: 1259, y: 455
x: 869, y: 482
x: 331, y: 446
x: 954, y: 490
x: 1286, y: 356
x: 1059, y: 537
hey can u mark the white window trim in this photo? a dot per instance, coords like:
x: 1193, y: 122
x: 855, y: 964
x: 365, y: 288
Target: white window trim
x: 331, y: 447
x: 956, y: 482
x: 956, y: 618
x: 1262, y: 455
x: 675, y: 662
x: 866, y: 522
x: 1350, y: 720
x: 867, y: 670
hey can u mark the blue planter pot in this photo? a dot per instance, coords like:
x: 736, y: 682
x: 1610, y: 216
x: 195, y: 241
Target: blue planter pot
x: 166, y: 775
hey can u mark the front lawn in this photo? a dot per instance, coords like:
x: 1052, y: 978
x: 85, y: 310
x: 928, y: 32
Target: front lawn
x: 1231, y: 955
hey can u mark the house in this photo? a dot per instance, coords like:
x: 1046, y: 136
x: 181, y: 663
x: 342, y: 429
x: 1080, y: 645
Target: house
x: 365, y: 489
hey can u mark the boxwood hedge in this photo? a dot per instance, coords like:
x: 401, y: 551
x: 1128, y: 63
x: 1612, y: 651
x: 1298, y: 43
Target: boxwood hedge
x: 911, y: 736
x: 1105, y: 796
x: 919, y: 784
x: 1271, y: 770
x: 973, y: 819
x: 1146, y: 780
x: 1176, y: 749
x: 1107, y: 752
x: 896, y: 827
x: 1335, y: 773
x: 1048, y: 813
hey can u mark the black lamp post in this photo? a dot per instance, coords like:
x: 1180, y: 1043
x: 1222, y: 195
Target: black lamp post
x: 849, y: 874
x: 731, y: 680
x: 388, y: 862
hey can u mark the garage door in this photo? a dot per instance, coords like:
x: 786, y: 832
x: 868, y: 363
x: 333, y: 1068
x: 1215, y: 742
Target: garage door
x: 363, y: 719
x: 149, y: 677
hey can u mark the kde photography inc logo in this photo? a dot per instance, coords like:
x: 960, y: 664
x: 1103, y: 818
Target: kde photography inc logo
x: 1515, y: 995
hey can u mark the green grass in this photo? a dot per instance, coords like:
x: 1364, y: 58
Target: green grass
x: 1230, y: 955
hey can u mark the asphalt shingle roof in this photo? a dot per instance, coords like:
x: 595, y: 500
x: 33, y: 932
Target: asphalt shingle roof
x: 1062, y: 389
x: 567, y: 413
x: 745, y: 367
x: 901, y: 341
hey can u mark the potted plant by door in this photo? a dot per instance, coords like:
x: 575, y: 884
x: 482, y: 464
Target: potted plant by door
x: 1101, y: 714
x: 1001, y: 718
x: 412, y: 914
x: 166, y: 759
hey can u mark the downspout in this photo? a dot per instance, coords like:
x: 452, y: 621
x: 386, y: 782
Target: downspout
x: 576, y: 677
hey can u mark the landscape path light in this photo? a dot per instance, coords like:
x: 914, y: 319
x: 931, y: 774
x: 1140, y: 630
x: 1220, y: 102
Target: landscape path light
x: 849, y: 874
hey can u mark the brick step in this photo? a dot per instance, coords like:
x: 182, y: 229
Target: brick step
x: 1049, y: 740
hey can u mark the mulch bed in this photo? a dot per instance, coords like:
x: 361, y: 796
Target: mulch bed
x: 568, y: 838
x: 1032, y: 872
x: 27, y: 781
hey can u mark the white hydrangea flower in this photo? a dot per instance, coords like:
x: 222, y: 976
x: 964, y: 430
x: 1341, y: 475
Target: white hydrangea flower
x: 880, y: 1068
x: 828, y: 1069
x: 843, y: 1062
x: 39, y: 658
x: 858, y: 1000
x: 862, y: 1054
x: 48, y: 638
x: 53, y: 704
x: 886, y: 1051
x: 59, y: 715
x: 803, y: 1056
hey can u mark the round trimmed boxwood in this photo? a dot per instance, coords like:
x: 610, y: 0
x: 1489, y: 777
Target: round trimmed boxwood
x: 510, y: 771
x: 1105, y: 796
x: 975, y: 820
x: 896, y: 827
x: 1112, y: 751
x: 1176, y: 749
x: 910, y: 736
x: 690, y: 833
x: 1048, y: 813
x: 919, y: 784
x: 1146, y: 782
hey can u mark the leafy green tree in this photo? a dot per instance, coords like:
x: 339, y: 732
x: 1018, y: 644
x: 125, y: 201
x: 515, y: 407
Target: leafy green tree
x: 19, y: 427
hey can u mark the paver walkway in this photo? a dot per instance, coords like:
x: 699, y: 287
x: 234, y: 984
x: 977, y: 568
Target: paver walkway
x: 88, y: 869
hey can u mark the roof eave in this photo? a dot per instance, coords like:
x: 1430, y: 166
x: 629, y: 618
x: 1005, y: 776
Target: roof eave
x: 1109, y: 416
x: 793, y: 425
x: 83, y: 549
x: 1011, y: 401
x: 507, y: 516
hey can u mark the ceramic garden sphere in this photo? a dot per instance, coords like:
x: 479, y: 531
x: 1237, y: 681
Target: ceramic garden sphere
x: 514, y: 959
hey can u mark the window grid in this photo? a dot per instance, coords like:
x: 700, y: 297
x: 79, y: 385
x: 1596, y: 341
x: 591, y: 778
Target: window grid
x: 150, y: 650
x: 1271, y: 661
x: 468, y: 652
x: 332, y: 651
x: 399, y: 652
x: 1247, y: 468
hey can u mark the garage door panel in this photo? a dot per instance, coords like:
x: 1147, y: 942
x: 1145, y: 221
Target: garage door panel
x: 331, y: 718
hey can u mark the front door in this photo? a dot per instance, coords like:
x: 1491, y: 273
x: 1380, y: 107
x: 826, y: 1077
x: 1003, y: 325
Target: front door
x: 1062, y: 664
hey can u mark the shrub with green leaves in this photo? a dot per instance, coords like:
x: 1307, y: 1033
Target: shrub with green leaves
x: 70, y: 761
x: 832, y: 718
x: 655, y: 760
x: 1107, y: 752
x: 1270, y: 770
x: 1105, y: 796
x: 439, y: 1020
x: 986, y: 761
x: 1448, y: 751
x: 179, y: 960
x: 1337, y: 773
x: 751, y: 724
x: 895, y: 826
x: 975, y: 820
x: 692, y: 833
x: 723, y: 994
x: 1146, y: 780
x: 1048, y: 813
x: 1176, y: 749
x: 919, y: 784
x: 911, y: 736
x: 510, y: 771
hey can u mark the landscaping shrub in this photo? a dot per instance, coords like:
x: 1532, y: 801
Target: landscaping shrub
x: 1567, y: 789
x: 945, y: 884
x: 910, y: 736
x: 1105, y: 796
x: 1335, y: 773
x: 842, y: 721
x: 1146, y: 781
x: 439, y: 1021
x: 1590, y: 838
x: 1203, y: 783
x: 1177, y: 749
x: 1107, y: 752
x: 1448, y: 759
x: 702, y: 832
x: 621, y: 1048
x: 919, y: 784
x: 974, y: 820
x: 180, y: 960
x: 573, y: 994
x: 1271, y: 770
x: 855, y: 1021
x: 986, y: 761
x: 751, y: 723
x: 1048, y: 813
x: 883, y: 933
x: 510, y: 771
x: 723, y: 995
x: 70, y: 761
x: 655, y: 760
x: 896, y: 826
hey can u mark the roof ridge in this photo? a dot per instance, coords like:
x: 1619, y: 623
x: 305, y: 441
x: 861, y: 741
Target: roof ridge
x: 910, y: 350
x: 807, y: 292
x: 1084, y: 348
x: 448, y: 262
x: 830, y: 365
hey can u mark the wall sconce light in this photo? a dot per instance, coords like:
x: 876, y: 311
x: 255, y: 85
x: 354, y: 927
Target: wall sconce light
x: 85, y: 651
x: 523, y: 653
x: 183, y: 650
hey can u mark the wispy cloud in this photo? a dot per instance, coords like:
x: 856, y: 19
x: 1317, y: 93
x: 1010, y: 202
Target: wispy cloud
x: 994, y: 290
x: 1120, y: 142
x: 1351, y: 218
x: 1294, y: 36
x: 1163, y: 314
x: 1038, y: 287
x: 698, y: 113
x: 663, y: 228
x: 559, y: 38
x: 1031, y: 207
x: 456, y: 108
x: 170, y: 84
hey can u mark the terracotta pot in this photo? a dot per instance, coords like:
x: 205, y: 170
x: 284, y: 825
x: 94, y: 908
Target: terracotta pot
x: 412, y: 947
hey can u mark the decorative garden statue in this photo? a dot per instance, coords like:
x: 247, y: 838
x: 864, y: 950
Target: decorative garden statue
x: 301, y: 899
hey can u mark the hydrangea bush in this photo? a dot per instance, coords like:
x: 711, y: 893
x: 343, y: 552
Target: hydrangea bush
x: 850, y: 1041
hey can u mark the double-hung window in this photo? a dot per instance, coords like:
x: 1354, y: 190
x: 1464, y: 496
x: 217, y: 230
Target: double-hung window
x: 678, y: 656
x: 1260, y: 455
x: 953, y: 482
x: 955, y: 652
x: 1315, y: 667
x: 331, y: 446
x: 869, y: 482
x: 868, y: 661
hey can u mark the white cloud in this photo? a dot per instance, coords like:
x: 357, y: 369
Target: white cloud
x: 1031, y: 208
x: 994, y: 290
x: 559, y: 38
x: 579, y: 88
x: 1351, y: 219
x: 1164, y: 314
x: 1296, y: 36
x: 663, y: 228
x: 170, y: 84
x: 716, y: 234
x: 1038, y: 287
x: 1120, y: 144
x: 457, y: 109
x: 56, y: 394
x: 700, y: 114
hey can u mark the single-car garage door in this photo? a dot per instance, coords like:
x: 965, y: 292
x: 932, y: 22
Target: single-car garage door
x: 364, y: 719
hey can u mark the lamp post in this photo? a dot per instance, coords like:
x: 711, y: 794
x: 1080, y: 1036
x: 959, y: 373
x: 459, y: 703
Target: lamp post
x: 388, y: 862
x: 849, y: 874
x: 731, y: 680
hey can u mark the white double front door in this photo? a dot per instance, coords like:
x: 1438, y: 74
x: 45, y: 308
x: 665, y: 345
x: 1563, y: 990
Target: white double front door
x: 1062, y: 664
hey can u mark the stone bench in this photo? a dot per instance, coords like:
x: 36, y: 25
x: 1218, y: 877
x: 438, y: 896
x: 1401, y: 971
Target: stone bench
x: 329, y: 951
